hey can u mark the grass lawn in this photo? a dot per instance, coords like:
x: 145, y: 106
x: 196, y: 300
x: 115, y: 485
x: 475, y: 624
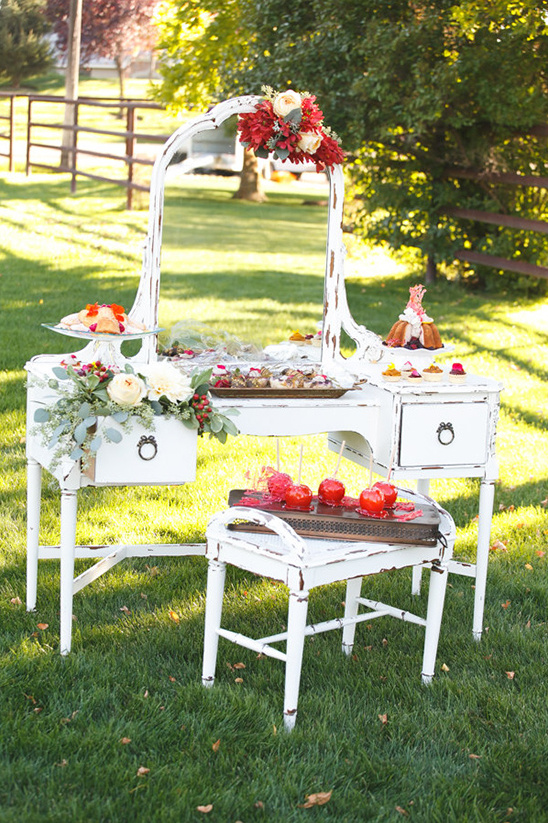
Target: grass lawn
x: 76, y: 731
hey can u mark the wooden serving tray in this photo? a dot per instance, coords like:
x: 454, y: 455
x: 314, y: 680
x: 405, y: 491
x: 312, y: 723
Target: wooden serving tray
x: 276, y: 393
x: 339, y: 523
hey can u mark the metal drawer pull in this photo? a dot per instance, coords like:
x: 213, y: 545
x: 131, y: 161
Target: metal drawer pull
x: 446, y: 433
x: 149, y: 446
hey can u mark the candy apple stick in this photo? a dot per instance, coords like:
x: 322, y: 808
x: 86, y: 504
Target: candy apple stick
x: 300, y: 464
x: 392, y: 456
x: 277, y: 454
x: 338, y: 463
x: 370, y: 469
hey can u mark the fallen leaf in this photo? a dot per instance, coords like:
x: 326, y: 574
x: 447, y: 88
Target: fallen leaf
x: 142, y: 770
x: 259, y: 804
x: 510, y: 675
x: 152, y: 570
x: 216, y: 745
x: 146, y: 693
x: 444, y: 667
x: 42, y: 626
x: 68, y: 719
x: 31, y: 698
x: 402, y: 811
x: 62, y: 763
x: 205, y: 809
x: 505, y: 605
x: 274, y: 729
x: 16, y: 601
x: 529, y: 567
x: 238, y: 666
x: 384, y: 641
x: 318, y: 799
x: 544, y: 502
x: 239, y: 680
x: 498, y: 545
x: 174, y: 616
x: 125, y: 740
x: 144, y: 596
x: 171, y: 678
x: 125, y: 610
x: 475, y: 756
x: 539, y: 553
x: 383, y: 718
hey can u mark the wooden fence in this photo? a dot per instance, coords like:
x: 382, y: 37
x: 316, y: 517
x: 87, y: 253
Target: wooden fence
x: 69, y: 155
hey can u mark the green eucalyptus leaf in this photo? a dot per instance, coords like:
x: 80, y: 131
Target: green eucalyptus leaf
x: 113, y: 434
x: 90, y: 421
x: 95, y: 444
x: 92, y: 381
x: 41, y: 415
x: 229, y: 427
x: 60, y: 372
x: 84, y: 410
x: 156, y: 406
x: 80, y: 432
x: 282, y: 154
x: 76, y: 454
x: 120, y: 416
x: 262, y: 153
x: 294, y: 116
x: 53, y: 384
x: 215, y: 423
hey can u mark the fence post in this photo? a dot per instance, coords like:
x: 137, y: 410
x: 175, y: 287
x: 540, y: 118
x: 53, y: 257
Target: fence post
x: 74, y: 149
x: 130, y: 148
x: 29, y: 114
x: 12, y: 131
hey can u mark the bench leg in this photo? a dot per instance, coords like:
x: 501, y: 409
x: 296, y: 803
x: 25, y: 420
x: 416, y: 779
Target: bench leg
x: 436, y: 599
x: 296, y: 624
x: 353, y: 590
x: 34, y: 493
x: 216, y: 573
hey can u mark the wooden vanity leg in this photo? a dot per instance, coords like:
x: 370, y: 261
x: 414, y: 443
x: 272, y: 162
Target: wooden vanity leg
x: 69, y: 505
x: 486, y: 498
x: 34, y: 492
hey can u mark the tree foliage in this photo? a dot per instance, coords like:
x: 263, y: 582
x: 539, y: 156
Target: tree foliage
x: 23, y: 49
x: 115, y: 29
x: 414, y: 88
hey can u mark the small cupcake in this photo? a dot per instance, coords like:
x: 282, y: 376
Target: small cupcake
x: 414, y: 376
x: 391, y: 374
x: 297, y: 338
x: 433, y: 373
x: 457, y: 374
x: 406, y: 369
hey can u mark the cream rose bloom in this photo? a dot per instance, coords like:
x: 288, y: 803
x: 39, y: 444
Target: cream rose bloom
x: 286, y: 101
x: 165, y: 379
x: 309, y: 141
x: 126, y: 389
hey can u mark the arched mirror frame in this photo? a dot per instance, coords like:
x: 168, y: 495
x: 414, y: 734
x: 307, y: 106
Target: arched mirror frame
x: 336, y: 313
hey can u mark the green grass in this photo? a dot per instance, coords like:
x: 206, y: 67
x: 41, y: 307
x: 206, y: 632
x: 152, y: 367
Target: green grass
x: 473, y: 747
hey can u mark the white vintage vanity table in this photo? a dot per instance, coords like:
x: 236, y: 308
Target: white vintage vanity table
x: 428, y: 431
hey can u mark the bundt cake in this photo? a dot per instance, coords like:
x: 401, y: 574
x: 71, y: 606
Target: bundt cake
x: 414, y: 329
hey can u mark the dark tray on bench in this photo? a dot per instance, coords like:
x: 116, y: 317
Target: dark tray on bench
x: 338, y: 523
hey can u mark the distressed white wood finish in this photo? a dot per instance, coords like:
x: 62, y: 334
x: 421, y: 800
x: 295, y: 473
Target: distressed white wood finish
x: 303, y: 564
x: 379, y: 419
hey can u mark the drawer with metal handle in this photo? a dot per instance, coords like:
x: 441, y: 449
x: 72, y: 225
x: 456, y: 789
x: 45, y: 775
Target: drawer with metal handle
x: 449, y: 434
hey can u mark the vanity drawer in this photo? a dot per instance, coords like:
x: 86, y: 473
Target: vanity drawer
x: 444, y: 434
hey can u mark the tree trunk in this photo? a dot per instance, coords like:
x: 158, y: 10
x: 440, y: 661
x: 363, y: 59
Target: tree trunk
x: 431, y: 270
x: 250, y: 181
x: 71, y: 79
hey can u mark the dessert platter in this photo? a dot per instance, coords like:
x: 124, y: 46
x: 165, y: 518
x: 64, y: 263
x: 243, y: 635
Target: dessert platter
x: 376, y: 515
x: 101, y: 322
x: 414, y: 331
x: 409, y: 373
x: 262, y: 381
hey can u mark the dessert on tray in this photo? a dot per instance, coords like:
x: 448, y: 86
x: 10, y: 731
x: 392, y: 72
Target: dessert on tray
x: 391, y: 374
x: 305, y: 339
x: 457, y: 374
x: 101, y: 319
x: 225, y: 377
x: 432, y: 373
x: 414, y: 329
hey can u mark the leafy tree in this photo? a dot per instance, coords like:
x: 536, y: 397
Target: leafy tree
x: 115, y: 29
x: 23, y: 49
x: 414, y: 88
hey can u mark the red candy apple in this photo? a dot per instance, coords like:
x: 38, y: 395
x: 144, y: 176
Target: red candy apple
x: 331, y: 491
x: 372, y: 500
x: 298, y: 496
x: 278, y: 483
x: 390, y: 492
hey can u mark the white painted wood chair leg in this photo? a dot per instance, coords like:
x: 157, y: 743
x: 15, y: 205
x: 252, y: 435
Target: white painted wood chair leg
x: 216, y: 574
x: 34, y: 493
x: 486, y: 498
x: 69, y: 505
x: 296, y: 624
x: 423, y: 487
x: 353, y: 590
x: 436, y: 599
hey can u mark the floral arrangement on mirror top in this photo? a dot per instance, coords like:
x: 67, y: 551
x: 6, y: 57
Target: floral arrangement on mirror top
x: 91, y: 391
x: 290, y: 125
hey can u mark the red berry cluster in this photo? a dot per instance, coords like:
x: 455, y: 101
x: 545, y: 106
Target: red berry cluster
x: 202, y: 409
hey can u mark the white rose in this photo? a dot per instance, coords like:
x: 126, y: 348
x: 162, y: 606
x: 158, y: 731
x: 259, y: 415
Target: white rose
x: 165, y: 379
x: 286, y: 101
x: 126, y: 389
x: 309, y: 141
